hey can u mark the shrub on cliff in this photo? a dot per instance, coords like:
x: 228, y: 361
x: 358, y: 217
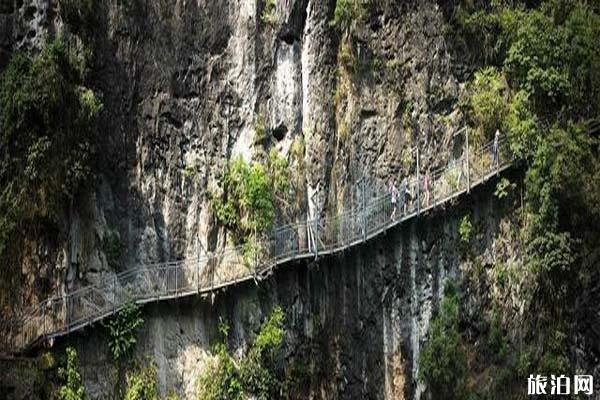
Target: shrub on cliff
x: 142, y: 383
x: 346, y: 12
x: 254, y: 376
x: 72, y: 388
x: 47, y: 139
x: 489, y: 103
x: 547, y: 55
x: 269, y: 15
x: 248, y: 203
x: 442, y: 363
x: 122, y: 329
x: 252, y: 193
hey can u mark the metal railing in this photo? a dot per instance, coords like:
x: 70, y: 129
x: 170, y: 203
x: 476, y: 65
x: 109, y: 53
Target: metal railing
x: 61, y: 315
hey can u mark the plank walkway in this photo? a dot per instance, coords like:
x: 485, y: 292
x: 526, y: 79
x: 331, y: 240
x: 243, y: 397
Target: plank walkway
x: 62, y: 315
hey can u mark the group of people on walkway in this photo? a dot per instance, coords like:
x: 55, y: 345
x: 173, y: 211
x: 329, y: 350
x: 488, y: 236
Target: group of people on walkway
x: 401, y: 197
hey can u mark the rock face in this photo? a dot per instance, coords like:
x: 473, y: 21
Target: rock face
x: 184, y: 85
x: 355, y: 321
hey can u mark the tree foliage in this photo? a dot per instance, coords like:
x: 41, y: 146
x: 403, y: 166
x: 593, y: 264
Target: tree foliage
x: 47, y: 138
x: 269, y: 15
x: 465, y: 229
x: 254, y: 375
x: 442, y: 363
x: 72, y: 388
x: 347, y: 12
x: 142, y: 383
x: 489, y: 102
x: 252, y: 193
x: 249, y: 203
x: 539, y: 81
x: 122, y: 329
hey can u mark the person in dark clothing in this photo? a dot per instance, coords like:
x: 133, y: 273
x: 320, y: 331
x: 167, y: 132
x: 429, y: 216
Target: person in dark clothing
x: 394, y: 198
x: 404, y: 195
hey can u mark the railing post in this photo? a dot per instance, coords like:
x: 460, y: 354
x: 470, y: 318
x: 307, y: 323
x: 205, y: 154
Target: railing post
x: 468, y: 162
x: 44, y: 320
x: 68, y: 307
x: 198, y: 265
x: 364, y: 209
x: 176, y: 283
x: 212, y: 273
x: 316, y: 236
x: 418, y: 182
x: 498, y: 157
x: 114, y: 294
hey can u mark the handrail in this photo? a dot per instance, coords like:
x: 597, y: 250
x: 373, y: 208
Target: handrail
x: 60, y: 315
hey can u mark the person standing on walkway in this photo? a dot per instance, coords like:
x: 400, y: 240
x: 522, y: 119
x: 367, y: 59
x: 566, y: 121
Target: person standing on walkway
x: 495, y: 147
x: 460, y: 173
x: 404, y: 195
x: 427, y: 187
x: 394, y: 198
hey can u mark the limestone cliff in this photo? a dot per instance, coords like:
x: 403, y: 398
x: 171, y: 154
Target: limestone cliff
x: 184, y: 85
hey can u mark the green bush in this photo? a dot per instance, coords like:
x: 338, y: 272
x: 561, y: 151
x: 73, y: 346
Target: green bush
x: 250, y: 202
x: 465, y: 229
x: 442, y: 363
x: 251, y: 193
x: 503, y: 187
x: 269, y: 15
x: 72, y: 388
x: 47, y: 140
x: 554, y: 358
x: 489, y: 94
x: 260, y: 130
x: 220, y: 381
x: 252, y: 252
x: 142, y: 383
x: 348, y: 59
x: 172, y: 396
x: 122, y: 329
x: 278, y: 169
x: 346, y: 12
x: 251, y: 377
x: 521, y: 124
x: 270, y: 336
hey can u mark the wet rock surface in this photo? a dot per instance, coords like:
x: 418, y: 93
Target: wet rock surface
x: 184, y: 84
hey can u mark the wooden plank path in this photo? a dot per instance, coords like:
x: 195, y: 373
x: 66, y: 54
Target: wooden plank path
x: 62, y: 315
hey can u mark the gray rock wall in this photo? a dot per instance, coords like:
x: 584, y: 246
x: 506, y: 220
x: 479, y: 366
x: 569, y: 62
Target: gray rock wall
x: 184, y: 85
x: 357, y: 320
